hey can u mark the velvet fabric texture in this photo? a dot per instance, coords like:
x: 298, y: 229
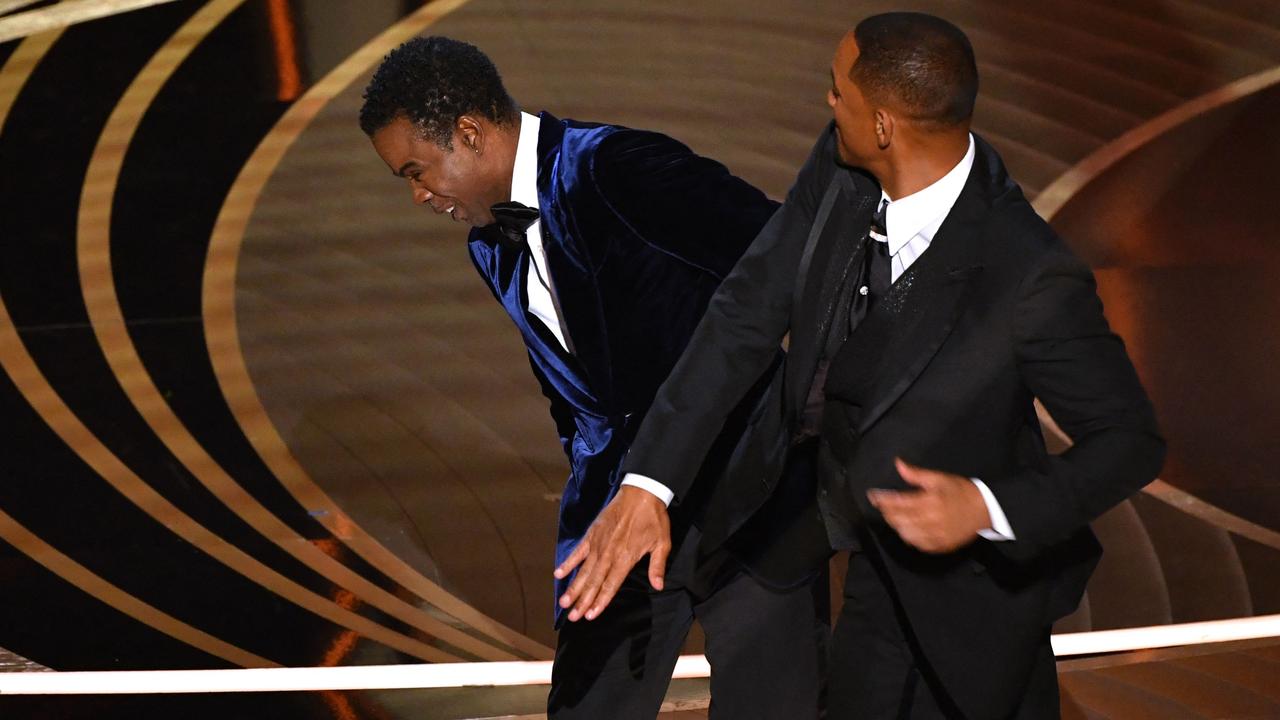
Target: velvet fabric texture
x: 638, y: 232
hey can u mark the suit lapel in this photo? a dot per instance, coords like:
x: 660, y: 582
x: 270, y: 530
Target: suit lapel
x: 576, y: 295
x: 944, y: 275
x: 837, y: 241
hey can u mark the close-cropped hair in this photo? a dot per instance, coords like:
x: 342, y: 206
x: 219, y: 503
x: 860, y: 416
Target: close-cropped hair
x: 433, y: 81
x: 920, y: 64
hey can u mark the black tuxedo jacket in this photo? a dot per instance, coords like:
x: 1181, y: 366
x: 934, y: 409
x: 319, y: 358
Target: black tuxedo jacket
x: 998, y: 312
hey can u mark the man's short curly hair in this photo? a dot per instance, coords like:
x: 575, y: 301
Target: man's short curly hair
x: 433, y: 81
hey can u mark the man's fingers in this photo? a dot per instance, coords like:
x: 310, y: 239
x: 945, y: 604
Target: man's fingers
x: 914, y: 475
x: 622, y: 533
x: 894, y: 516
x: 580, y: 582
x: 917, y: 516
x: 574, y: 560
x: 908, y: 526
x: 894, y: 501
x: 924, y: 518
x: 658, y: 565
x: 608, y: 589
x: 594, y: 578
x: 912, y: 533
x: 919, y: 535
x: 906, y: 470
x: 909, y: 533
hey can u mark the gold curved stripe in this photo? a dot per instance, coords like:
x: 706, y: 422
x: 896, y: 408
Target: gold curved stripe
x: 35, y: 387
x: 85, y: 579
x: 98, y: 286
x: 8, y: 6
x: 100, y: 299
x: 1212, y: 514
x: 223, y: 338
x: 1180, y: 499
x: 1055, y: 197
x: 65, y: 14
x: 1070, y: 183
x: 26, y: 377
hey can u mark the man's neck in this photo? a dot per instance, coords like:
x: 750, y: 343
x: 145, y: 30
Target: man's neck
x: 922, y: 162
x: 507, y: 138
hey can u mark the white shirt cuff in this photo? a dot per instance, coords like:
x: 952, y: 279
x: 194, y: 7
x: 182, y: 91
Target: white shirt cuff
x: 1000, y: 530
x: 651, y: 486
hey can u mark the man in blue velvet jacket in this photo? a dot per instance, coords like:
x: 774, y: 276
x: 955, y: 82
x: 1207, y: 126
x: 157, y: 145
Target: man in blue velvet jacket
x: 604, y: 244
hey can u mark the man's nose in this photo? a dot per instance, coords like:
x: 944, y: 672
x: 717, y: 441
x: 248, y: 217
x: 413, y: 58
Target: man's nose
x: 421, y: 195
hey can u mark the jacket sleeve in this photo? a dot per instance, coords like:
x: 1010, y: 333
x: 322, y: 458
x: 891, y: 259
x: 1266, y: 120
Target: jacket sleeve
x: 686, y: 205
x: 736, y: 340
x: 1070, y: 359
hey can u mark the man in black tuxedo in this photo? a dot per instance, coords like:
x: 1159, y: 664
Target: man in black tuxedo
x: 603, y: 244
x: 927, y: 305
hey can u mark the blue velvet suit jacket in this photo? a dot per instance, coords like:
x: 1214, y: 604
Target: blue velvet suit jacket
x: 638, y: 232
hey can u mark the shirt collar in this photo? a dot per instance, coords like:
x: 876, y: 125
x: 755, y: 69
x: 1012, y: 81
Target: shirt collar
x: 524, y: 176
x: 922, y: 212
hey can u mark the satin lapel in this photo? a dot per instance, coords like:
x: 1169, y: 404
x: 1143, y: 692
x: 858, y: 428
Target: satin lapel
x: 944, y: 275
x: 839, y: 226
x: 577, y: 298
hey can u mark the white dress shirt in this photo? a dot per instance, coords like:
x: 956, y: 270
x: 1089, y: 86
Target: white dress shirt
x: 524, y: 189
x: 911, y: 223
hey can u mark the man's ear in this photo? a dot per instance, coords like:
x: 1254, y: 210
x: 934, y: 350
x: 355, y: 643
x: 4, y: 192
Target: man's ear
x: 471, y: 132
x: 884, y: 129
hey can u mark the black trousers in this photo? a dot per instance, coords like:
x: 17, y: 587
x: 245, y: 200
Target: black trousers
x: 766, y: 648
x: 879, y: 673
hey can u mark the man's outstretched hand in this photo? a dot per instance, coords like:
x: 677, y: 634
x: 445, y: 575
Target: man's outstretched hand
x: 632, y: 525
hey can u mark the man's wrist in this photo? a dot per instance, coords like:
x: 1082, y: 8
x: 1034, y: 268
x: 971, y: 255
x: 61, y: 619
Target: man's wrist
x: 649, y: 485
x: 995, y: 525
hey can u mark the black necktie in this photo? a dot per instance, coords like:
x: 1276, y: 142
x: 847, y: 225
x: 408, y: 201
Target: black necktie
x: 511, y: 220
x: 877, y: 274
x: 879, y: 270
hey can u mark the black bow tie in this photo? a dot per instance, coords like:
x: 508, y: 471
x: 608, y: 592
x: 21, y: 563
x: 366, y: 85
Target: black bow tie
x: 511, y: 220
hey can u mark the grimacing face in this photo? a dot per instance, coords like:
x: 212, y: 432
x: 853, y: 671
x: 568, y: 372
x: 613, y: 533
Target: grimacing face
x: 447, y: 181
x: 854, y: 116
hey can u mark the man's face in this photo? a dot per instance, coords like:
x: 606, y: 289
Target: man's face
x: 448, y: 181
x: 855, y: 117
